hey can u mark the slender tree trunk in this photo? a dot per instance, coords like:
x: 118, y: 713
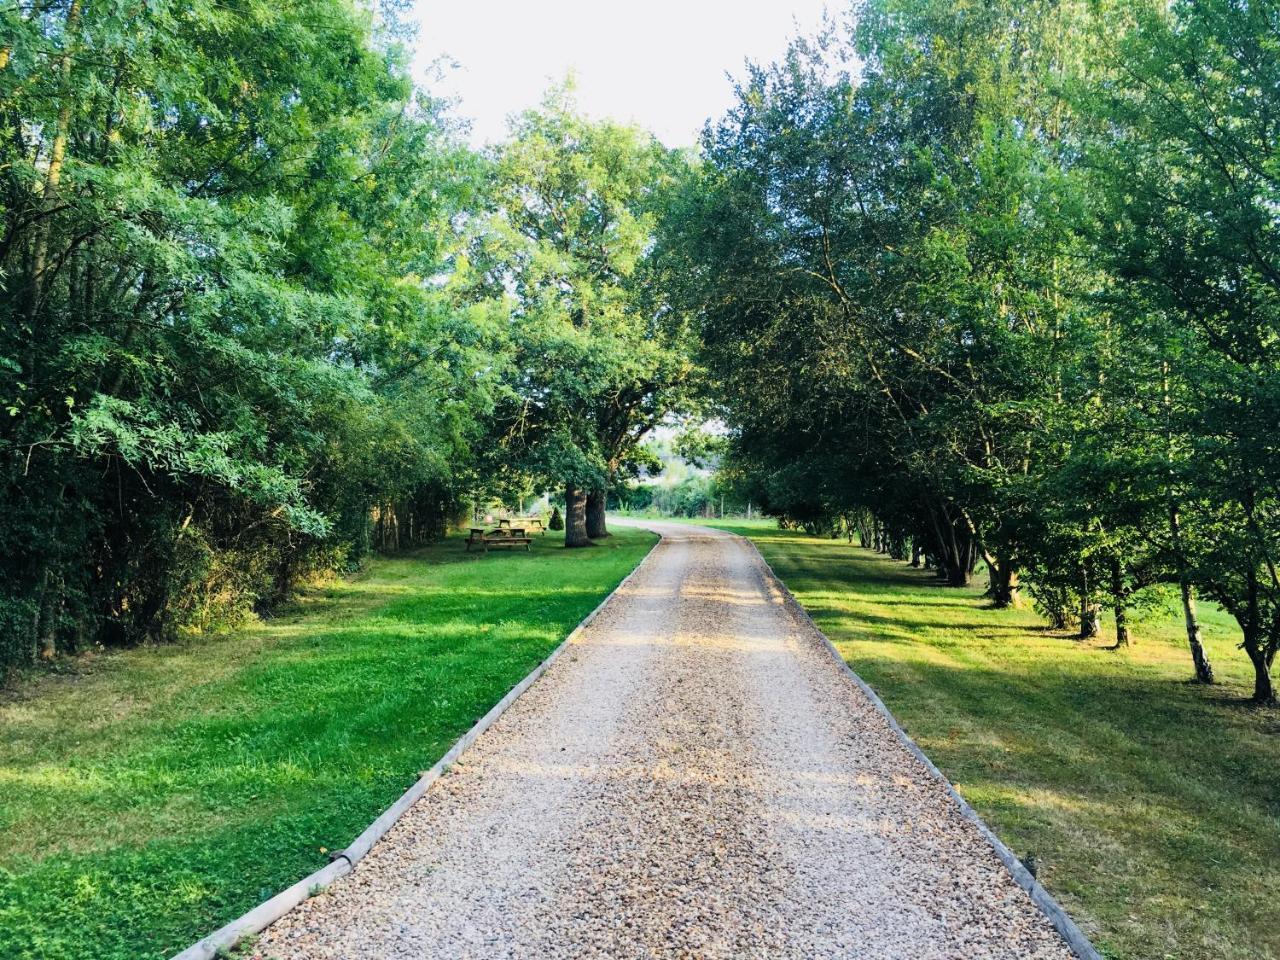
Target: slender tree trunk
x: 57, y: 157
x: 957, y: 560
x: 1090, y: 615
x: 1122, y: 625
x: 1204, y: 670
x: 575, y: 517
x: 596, y: 528
x: 1057, y: 613
x: 956, y: 555
x: 46, y: 633
x: 1090, y: 620
x: 1120, y: 600
x: 1264, y: 690
x: 1003, y: 583
x: 1260, y: 652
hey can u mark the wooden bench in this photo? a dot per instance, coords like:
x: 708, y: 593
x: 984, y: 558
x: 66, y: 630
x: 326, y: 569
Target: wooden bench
x: 502, y: 537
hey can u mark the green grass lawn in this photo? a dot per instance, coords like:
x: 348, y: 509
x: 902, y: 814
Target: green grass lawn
x: 1152, y: 805
x: 148, y: 797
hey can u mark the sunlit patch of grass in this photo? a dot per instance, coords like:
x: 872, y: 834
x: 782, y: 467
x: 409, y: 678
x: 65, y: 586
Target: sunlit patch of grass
x: 149, y: 796
x: 1151, y: 804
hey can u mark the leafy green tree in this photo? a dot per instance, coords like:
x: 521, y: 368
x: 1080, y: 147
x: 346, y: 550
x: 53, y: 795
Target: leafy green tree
x: 999, y: 280
x: 1188, y: 175
x: 886, y: 260
x: 220, y: 346
x: 598, y: 356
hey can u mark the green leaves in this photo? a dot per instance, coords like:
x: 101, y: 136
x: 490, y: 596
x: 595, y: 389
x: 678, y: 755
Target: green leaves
x: 596, y: 354
x: 1014, y: 282
x: 217, y: 323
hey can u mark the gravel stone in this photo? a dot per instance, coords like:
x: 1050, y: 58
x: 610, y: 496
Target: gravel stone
x: 694, y: 777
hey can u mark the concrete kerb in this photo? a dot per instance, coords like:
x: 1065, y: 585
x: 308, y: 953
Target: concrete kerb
x: 1061, y: 920
x: 343, y: 862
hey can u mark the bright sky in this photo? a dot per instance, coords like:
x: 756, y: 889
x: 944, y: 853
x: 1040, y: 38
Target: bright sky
x: 660, y: 63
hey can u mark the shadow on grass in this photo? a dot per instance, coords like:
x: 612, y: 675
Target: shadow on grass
x: 1152, y: 804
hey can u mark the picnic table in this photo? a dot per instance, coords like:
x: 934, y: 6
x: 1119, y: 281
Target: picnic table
x: 507, y: 536
x: 527, y: 523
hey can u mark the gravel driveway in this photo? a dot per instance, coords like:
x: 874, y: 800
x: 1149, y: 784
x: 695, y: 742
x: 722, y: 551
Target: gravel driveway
x: 694, y: 777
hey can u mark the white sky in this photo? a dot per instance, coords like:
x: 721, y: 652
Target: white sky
x: 660, y: 63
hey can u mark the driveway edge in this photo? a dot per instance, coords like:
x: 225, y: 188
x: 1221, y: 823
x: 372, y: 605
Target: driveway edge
x: 1061, y: 920
x: 343, y: 862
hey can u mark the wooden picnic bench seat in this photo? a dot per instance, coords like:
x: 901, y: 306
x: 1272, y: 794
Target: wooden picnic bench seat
x: 501, y: 537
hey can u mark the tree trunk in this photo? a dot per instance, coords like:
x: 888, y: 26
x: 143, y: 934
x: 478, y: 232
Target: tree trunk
x: 1120, y: 598
x: 1204, y: 669
x: 1057, y: 615
x: 1264, y: 690
x: 46, y: 620
x: 57, y: 157
x: 1090, y: 620
x: 1003, y: 583
x: 596, y: 528
x: 1090, y: 615
x: 575, y: 517
x: 957, y: 551
x: 1122, y: 625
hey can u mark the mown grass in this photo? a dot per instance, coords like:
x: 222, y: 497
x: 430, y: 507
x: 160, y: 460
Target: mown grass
x: 1151, y: 804
x: 149, y: 796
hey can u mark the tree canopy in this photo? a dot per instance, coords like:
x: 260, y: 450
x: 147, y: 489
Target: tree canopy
x: 599, y: 356
x: 999, y: 281
x: 264, y: 309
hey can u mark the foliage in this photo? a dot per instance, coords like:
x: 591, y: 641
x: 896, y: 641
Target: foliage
x: 997, y: 283
x: 1184, y: 153
x: 220, y: 345
x: 598, y: 355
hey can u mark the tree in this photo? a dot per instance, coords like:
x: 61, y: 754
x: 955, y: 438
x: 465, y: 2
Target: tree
x: 1008, y: 291
x: 881, y: 266
x: 218, y: 351
x: 1186, y: 166
x: 599, y: 357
